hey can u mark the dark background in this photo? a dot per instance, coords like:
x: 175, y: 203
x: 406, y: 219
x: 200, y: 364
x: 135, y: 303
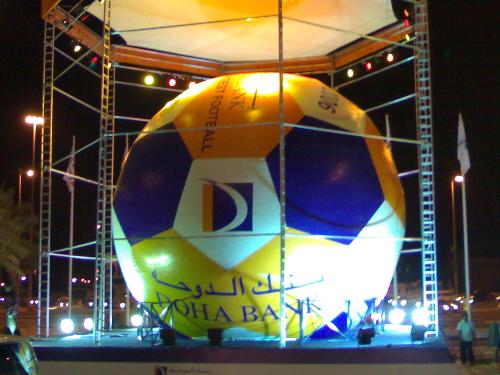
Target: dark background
x: 465, y: 45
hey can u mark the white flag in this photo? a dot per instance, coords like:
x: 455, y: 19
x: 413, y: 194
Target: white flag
x: 462, y: 151
x: 68, y: 178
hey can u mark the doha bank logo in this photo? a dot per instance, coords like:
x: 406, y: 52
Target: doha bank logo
x: 227, y: 207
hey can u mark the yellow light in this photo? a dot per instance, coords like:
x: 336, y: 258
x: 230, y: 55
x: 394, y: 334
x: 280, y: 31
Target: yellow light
x: 390, y: 57
x: 33, y: 120
x: 249, y: 19
x: 350, y: 73
x: 459, y: 179
x: 407, y: 36
x: 149, y: 80
x: 406, y: 13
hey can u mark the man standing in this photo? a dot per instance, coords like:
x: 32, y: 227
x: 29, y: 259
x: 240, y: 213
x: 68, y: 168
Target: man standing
x: 466, y: 333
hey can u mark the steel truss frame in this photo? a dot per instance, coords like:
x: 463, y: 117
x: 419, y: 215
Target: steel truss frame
x: 116, y: 54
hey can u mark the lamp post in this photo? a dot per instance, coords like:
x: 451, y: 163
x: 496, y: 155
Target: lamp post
x: 34, y: 121
x: 456, y: 179
x: 28, y: 173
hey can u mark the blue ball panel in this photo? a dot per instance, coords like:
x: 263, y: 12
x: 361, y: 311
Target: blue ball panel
x: 150, y: 187
x: 331, y: 184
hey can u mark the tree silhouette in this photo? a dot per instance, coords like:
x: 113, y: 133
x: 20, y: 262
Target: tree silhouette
x: 16, y: 245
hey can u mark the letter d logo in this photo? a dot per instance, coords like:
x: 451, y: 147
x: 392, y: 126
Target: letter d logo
x: 227, y: 207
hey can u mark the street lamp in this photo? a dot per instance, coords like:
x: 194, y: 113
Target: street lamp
x: 456, y: 179
x: 34, y: 121
x: 28, y: 173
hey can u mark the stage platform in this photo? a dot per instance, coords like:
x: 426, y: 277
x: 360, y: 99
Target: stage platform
x: 120, y: 352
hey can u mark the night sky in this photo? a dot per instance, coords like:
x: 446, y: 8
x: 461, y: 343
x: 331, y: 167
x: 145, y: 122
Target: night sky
x: 465, y: 48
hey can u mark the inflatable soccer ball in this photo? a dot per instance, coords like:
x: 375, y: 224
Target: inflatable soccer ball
x: 197, y: 219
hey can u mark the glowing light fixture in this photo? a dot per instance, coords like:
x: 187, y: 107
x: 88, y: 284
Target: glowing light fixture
x: 122, y: 305
x: 407, y: 23
x: 172, y: 82
x: 407, y: 37
x: 136, y: 320
x: 33, y: 120
x: 390, y: 57
x: 88, y: 324
x: 23, y: 278
x: 396, y: 316
x: 191, y: 84
x: 67, y: 326
x: 149, y: 79
x: 368, y: 66
x: 350, y: 73
x: 420, y: 316
x: 77, y: 48
x: 30, y: 173
x: 459, y: 178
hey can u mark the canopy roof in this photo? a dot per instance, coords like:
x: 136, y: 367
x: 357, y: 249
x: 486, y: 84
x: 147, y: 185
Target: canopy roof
x: 241, y: 30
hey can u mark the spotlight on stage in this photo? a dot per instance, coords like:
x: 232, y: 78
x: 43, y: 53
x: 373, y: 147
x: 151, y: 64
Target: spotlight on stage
x: 172, y: 82
x: 149, y: 79
x: 214, y: 336
x: 167, y: 335
x: 67, y: 326
x: 396, y: 316
x: 365, y: 336
x: 418, y: 332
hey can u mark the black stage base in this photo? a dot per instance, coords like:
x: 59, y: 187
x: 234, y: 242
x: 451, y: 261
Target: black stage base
x: 122, y: 353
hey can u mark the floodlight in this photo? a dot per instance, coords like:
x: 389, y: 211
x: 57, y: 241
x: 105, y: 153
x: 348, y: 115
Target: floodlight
x: 420, y: 316
x: 67, y: 326
x: 396, y: 316
x: 136, y: 320
x: 88, y: 324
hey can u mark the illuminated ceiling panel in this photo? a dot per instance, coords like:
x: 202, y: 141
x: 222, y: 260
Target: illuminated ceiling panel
x: 240, y: 30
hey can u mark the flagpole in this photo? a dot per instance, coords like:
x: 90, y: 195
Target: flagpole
x: 71, y: 220
x: 466, y: 250
x: 463, y: 158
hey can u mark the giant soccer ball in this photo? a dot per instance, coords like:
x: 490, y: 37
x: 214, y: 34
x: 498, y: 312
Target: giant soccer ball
x: 199, y: 227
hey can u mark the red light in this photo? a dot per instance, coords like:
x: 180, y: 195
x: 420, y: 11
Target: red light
x: 93, y: 60
x: 368, y: 66
x: 172, y: 82
x: 407, y: 23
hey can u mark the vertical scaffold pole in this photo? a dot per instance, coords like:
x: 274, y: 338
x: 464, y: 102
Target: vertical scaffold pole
x: 103, y: 257
x: 423, y: 106
x: 282, y: 185
x: 45, y: 179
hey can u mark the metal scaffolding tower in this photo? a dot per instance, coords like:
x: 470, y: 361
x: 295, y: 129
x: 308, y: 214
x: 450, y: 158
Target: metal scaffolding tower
x: 104, y: 245
x: 105, y: 183
x: 423, y: 106
x: 45, y: 180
